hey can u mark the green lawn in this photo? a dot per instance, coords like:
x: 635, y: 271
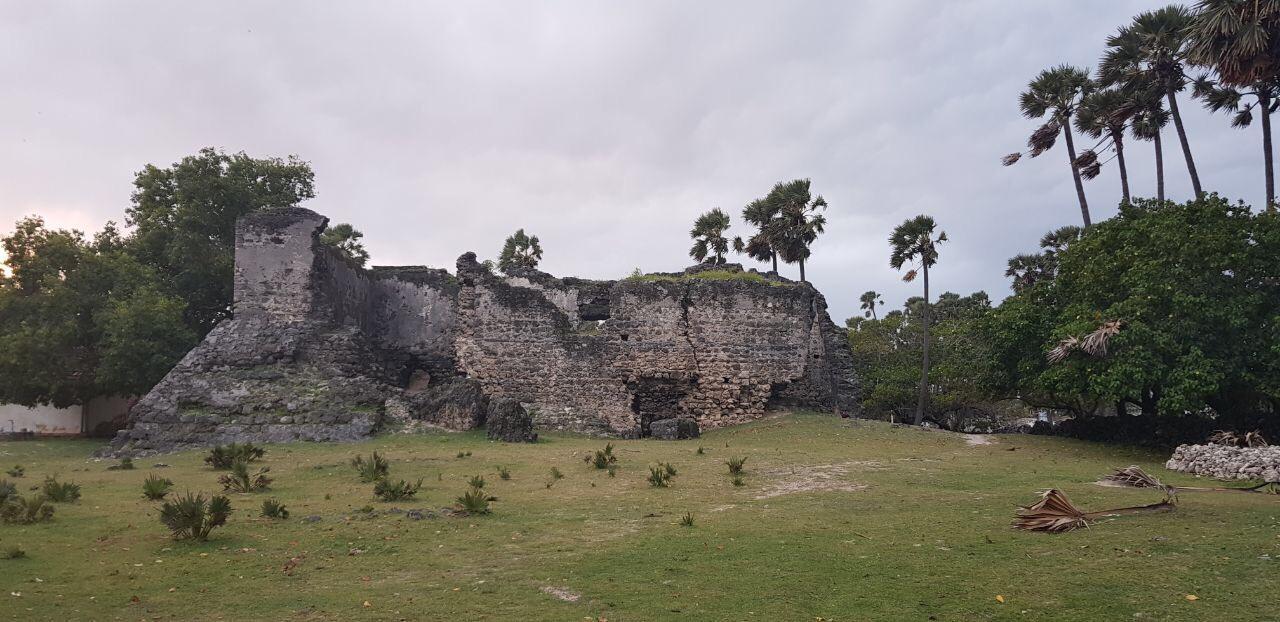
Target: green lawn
x: 865, y: 522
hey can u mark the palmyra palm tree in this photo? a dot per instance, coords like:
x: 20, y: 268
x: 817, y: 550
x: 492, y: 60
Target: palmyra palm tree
x: 1240, y: 40
x: 869, y: 299
x: 1055, y: 92
x: 1105, y: 114
x: 758, y: 247
x: 913, y: 242
x: 1153, y: 51
x: 1149, y: 119
x: 708, y: 236
x: 798, y: 223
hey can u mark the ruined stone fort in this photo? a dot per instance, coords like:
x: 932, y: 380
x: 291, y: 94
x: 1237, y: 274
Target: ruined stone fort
x: 319, y: 349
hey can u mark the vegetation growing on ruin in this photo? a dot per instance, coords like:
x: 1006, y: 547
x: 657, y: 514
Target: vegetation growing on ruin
x: 706, y: 275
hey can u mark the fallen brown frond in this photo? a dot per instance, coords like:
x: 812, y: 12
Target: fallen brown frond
x: 1224, y: 437
x: 1096, y: 342
x: 1255, y: 439
x: 1064, y: 349
x: 1133, y: 476
x: 1055, y: 513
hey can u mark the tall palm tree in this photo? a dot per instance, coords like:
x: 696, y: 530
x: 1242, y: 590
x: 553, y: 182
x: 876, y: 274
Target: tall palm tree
x: 1153, y: 50
x: 1105, y: 113
x: 758, y: 247
x: 1149, y: 119
x: 1266, y: 96
x: 1240, y: 40
x: 708, y: 236
x: 913, y: 242
x: 1056, y: 92
x: 869, y: 299
x: 798, y: 223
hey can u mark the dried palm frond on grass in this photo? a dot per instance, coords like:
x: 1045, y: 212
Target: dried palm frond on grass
x: 1055, y: 513
x: 1133, y: 476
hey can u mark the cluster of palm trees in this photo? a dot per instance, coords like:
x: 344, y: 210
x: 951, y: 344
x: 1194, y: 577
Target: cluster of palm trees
x: 1233, y: 44
x: 787, y: 220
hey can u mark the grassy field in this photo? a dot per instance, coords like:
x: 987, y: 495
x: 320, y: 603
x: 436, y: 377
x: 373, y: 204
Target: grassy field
x: 837, y: 520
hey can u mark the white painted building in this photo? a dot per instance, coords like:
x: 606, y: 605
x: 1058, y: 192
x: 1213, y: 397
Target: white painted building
x: 70, y: 421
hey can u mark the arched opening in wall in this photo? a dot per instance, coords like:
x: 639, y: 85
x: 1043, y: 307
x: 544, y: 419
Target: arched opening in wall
x: 656, y: 399
x: 780, y: 397
x: 594, y: 309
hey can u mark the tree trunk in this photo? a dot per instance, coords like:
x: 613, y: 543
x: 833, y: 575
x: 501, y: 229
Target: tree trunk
x: 802, y: 271
x: 775, y: 261
x: 1159, y: 167
x: 1075, y: 173
x: 1264, y: 102
x: 1117, y: 138
x: 924, y: 371
x: 1182, y: 138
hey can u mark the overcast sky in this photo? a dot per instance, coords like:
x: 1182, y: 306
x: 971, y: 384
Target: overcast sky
x: 604, y: 128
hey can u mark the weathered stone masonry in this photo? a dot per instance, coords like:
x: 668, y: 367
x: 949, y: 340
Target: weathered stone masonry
x: 318, y: 349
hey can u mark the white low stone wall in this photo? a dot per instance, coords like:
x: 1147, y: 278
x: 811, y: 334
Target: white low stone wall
x: 1224, y: 462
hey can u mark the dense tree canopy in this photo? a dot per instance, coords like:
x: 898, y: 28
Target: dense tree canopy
x: 520, y: 251
x: 346, y: 239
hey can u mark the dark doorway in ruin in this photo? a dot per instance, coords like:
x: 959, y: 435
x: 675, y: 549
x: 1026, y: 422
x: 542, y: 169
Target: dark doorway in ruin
x: 655, y: 399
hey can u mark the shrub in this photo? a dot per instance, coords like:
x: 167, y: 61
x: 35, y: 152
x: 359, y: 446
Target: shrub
x: 373, y: 469
x: 241, y: 480
x: 7, y: 490
x: 192, y: 518
x: 700, y: 450
x: 274, y: 509
x: 126, y: 464
x: 474, y: 502
x: 613, y: 470
x: 19, y: 510
x: 735, y: 465
x: 504, y: 473
x: 16, y: 471
x: 660, y: 476
x: 223, y: 457
x: 155, y: 487
x: 687, y: 519
x: 476, y: 481
x: 60, y: 492
x: 398, y: 491
x: 603, y: 457
x: 13, y: 552
x: 556, y: 476
x: 367, y: 509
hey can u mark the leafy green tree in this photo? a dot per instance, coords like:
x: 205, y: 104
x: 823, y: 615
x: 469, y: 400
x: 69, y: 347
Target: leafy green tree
x: 1056, y: 92
x: 185, y: 219
x: 868, y: 301
x: 913, y: 242
x: 708, y: 236
x: 81, y: 318
x: 1152, y: 51
x: 1105, y: 114
x: 346, y: 240
x: 798, y: 223
x: 520, y: 252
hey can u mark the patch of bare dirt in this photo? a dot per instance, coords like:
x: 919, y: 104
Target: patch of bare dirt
x: 974, y: 440
x: 563, y: 593
x: 814, y: 478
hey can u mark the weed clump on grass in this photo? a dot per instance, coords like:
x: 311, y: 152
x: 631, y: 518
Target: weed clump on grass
x: 687, y: 519
x: 464, y: 454
x: 19, y: 510
x: 700, y: 450
x: 504, y: 473
x: 13, y: 552
x: 736, y: 465
x: 125, y: 464
x: 373, y: 469
x: 660, y: 476
x: 192, y: 518
x: 274, y: 509
x: 16, y: 471
x: 476, y: 481
x: 7, y: 490
x: 474, y: 502
x: 399, y: 491
x: 737, y: 481
x: 60, y: 492
x: 603, y: 458
x: 556, y: 476
x: 223, y: 457
x: 241, y: 480
x: 155, y: 487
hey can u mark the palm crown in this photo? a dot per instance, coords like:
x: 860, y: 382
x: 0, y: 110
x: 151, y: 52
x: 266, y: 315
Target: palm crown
x: 913, y: 241
x: 708, y: 235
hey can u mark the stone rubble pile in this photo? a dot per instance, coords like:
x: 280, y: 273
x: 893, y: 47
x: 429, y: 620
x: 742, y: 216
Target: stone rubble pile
x: 1227, y: 462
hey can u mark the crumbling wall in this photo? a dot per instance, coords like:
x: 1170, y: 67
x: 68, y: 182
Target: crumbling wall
x: 321, y: 349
